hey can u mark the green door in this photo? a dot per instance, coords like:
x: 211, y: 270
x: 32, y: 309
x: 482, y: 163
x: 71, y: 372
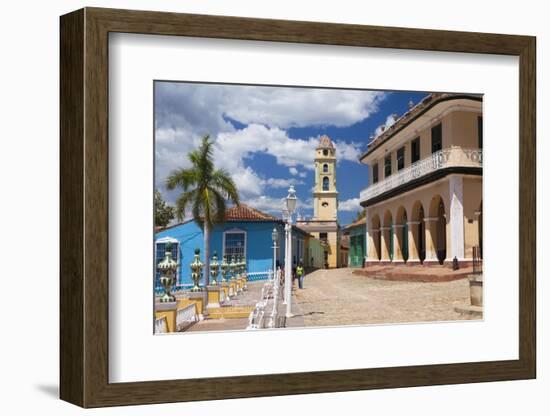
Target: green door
x: 360, y: 249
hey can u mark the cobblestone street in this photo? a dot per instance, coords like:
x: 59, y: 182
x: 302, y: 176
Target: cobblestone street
x: 339, y: 297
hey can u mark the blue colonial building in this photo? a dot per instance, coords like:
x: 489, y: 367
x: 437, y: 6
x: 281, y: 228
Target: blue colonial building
x: 246, y: 232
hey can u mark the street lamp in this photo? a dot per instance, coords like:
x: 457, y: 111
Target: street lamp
x: 290, y: 205
x: 291, y: 200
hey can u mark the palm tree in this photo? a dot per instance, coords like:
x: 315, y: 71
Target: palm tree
x: 205, y: 191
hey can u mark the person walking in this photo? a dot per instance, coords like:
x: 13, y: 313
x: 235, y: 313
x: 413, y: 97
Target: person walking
x: 300, y: 274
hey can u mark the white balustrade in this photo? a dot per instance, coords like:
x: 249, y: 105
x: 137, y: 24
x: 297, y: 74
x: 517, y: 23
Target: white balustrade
x: 445, y: 158
x: 161, y: 326
x: 185, y: 317
x: 256, y: 317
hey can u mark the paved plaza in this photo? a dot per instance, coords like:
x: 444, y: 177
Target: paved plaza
x: 341, y: 297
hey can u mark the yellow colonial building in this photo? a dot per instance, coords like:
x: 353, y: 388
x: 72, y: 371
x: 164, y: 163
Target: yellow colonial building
x: 424, y: 199
x: 324, y: 224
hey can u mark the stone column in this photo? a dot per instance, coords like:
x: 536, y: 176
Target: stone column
x: 457, y: 218
x: 384, y: 243
x: 414, y: 256
x: 398, y: 243
x: 430, y: 241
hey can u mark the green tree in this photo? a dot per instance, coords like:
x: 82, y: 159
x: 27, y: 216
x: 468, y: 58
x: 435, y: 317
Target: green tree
x: 205, y: 192
x: 164, y: 213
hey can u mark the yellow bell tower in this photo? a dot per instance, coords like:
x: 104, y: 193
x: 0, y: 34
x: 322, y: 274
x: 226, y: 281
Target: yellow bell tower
x: 324, y: 224
x: 325, y: 195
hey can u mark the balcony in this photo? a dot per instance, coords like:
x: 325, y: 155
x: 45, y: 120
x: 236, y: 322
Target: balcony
x: 446, y: 158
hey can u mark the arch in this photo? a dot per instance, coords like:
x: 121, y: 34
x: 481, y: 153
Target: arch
x: 402, y: 232
x: 419, y: 230
x: 325, y: 167
x: 387, y: 236
x: 325, y: 183
x: 376, y: 235
x: 439, y: 229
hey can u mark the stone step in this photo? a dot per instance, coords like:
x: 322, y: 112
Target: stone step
x: 229, y: 312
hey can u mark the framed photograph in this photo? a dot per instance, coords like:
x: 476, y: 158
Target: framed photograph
x: 255, y: 207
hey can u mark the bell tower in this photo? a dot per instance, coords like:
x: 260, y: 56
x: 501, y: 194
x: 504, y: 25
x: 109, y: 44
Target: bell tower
x: 325, y: 195
x: 324, y: 224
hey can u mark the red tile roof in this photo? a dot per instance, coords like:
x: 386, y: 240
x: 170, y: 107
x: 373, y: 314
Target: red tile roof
x: 325, y: 142
x: 360, y: 221
x: 241, y: 212
x: 244, y: 212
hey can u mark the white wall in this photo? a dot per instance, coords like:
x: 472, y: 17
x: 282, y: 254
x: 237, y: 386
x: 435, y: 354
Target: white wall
x: 29, y: 213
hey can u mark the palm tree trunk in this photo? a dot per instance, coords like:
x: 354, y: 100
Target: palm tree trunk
x: 206, y: 269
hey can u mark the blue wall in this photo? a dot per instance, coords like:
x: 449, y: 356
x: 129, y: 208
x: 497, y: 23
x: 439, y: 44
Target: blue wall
x: 259, y: 246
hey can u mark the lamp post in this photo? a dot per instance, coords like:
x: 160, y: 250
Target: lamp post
x: 290, y: 207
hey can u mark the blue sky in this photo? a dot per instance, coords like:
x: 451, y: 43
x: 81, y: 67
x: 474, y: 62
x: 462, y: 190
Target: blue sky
x: 265, y: 137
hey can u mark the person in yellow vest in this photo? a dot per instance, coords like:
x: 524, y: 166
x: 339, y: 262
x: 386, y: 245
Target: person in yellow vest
x: 300, y: 274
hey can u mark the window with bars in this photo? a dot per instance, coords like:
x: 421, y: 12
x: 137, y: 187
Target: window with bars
x: 234, y: 244
x: 415, y: 150
x: 387, y: 166
x: 437, y: 138
x: 160, y: 253
x: 401, y: 158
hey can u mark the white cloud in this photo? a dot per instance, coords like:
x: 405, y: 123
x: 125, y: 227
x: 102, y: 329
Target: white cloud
x: 281, y: 183
x: 239, y: 144
x: 299, y: 107
x: 281, y: 107
x: 347, y: 151
x: 266, y: 204
x: 350, y: 205
x: 274, y: 205
x: 185, y: 112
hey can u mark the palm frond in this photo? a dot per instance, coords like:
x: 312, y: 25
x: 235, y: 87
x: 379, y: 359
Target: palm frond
x: 205, y: 189
x: 184, y: 178
x: 183, y: 201
x: 224, y: 184
x: 198, y: 208
x: 220, y: 206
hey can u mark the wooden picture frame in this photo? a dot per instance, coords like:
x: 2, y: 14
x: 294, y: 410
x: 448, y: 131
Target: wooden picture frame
x: 84, y: 207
